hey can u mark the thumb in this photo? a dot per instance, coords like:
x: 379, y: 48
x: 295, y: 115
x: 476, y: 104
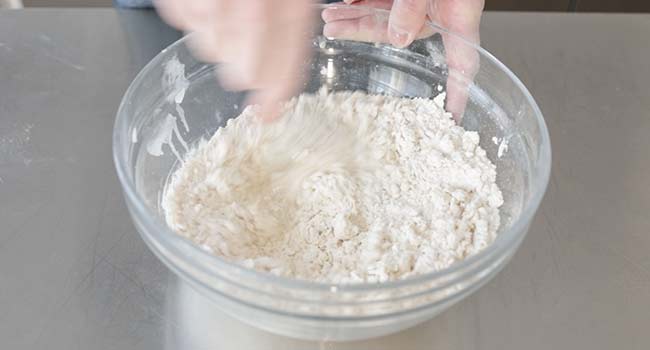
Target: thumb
x: 406, y: 20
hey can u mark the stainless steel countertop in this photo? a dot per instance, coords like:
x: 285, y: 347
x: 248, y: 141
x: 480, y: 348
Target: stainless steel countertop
x: 74, y: 274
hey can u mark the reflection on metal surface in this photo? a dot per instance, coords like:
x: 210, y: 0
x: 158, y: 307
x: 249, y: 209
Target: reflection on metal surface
x: 196, y: 322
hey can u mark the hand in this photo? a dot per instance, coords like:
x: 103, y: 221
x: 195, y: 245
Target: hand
x: 261, y: 44
x: 406, y: 23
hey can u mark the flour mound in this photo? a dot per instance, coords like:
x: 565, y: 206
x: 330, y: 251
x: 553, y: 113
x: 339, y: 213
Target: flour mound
x: 345, y: 187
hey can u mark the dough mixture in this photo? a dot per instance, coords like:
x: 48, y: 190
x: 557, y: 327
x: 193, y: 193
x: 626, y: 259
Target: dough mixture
x: 345, y: 187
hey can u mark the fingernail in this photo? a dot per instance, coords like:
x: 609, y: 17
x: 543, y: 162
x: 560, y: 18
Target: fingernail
x: 399, y: 38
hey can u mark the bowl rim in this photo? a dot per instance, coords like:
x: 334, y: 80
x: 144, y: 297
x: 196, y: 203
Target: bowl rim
x: 171, y: 239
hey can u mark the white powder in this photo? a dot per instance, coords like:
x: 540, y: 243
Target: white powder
x: 345, y: 187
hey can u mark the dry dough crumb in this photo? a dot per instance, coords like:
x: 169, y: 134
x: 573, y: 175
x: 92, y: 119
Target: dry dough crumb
x: 345, y: 187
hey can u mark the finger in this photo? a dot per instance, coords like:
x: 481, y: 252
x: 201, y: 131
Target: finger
x: 462, y: 64
x: 462, y: 18
x: 367, y: 28
x: 332, y: 14
x: 269, y: 102
x: 406, y: 20
x: 202, y: 18
x: 457, y: 96
x: 201, y: 13
x: 256, y: 60
x: 205, y: 44
x: 380, y: 4
x: 377, y: 4
x: 285, y: 48
x: 360, y: 9
x: 244, y: 35
x: 173, y: 12
x: 281, y: 85
x: 246, y: 57
x: 231, y: 77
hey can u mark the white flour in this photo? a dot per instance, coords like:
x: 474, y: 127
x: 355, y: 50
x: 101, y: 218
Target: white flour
x: 345, y: 187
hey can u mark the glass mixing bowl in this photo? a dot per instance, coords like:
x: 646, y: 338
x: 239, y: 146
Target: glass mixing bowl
x: 175, y: 101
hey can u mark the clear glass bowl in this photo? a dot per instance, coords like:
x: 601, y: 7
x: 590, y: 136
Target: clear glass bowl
x: 176, y: 100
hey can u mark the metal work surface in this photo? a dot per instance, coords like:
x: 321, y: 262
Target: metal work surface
x: 74, y: 274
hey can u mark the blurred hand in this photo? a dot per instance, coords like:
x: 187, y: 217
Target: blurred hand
x: 406, y: 23
x: 261, y: 44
